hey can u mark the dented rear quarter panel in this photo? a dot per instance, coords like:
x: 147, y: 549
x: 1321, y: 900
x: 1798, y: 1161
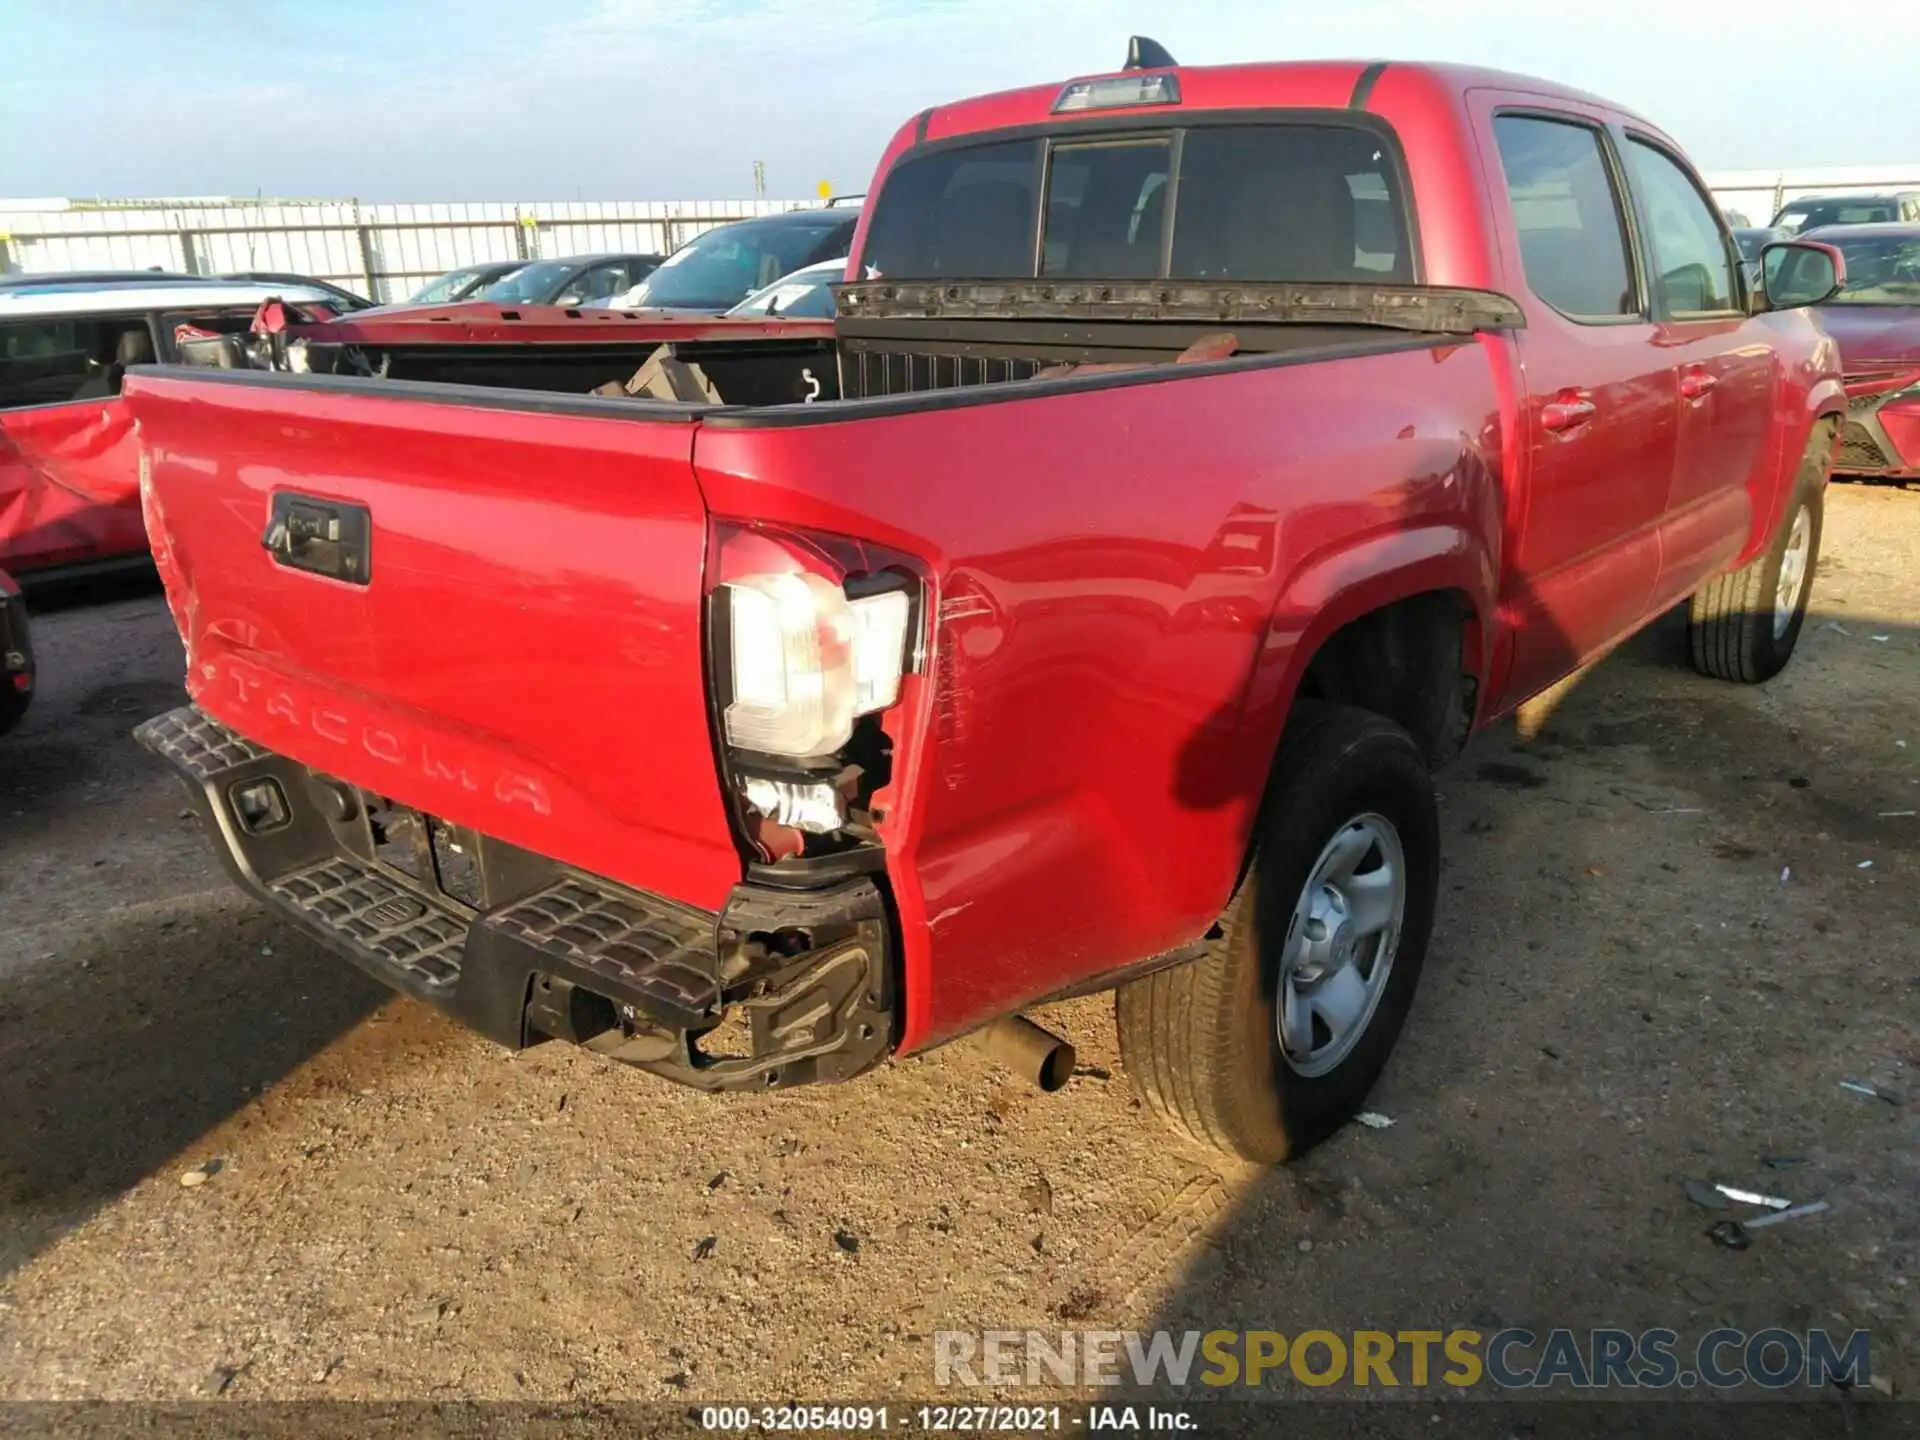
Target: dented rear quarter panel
x: 1127, y: 582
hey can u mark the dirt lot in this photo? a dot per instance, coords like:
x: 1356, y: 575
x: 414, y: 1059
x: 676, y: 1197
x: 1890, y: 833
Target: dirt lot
x: 1672, y: 924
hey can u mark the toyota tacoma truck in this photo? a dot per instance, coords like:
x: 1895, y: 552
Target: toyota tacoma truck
x: 1197, y: 456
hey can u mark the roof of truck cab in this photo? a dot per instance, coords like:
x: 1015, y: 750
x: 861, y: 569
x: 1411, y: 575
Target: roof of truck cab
x: 1311, y: 84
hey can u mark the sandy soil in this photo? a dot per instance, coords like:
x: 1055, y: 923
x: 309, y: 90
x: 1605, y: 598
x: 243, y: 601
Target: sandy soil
x: 1671, y: 925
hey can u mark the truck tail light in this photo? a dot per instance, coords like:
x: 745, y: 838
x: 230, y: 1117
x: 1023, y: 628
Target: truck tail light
x: 791, y: 637
x: 808, y: 660
x: 810, y: 634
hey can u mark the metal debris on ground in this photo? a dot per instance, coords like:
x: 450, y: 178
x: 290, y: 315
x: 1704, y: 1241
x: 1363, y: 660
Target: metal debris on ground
x: 1752, y: 1197
x: 1864, y: 865
x: 1898, y: 814
x: 1706, y: 1196
x: 1812, y: 1207
x: 1857, y: 1088
x: 1786, y: 874
x: 1729, y: 1235
x: 1838, y: 628
x: 1782, y: 1162
x: 1880, y: 639
x: 1374, y: 1120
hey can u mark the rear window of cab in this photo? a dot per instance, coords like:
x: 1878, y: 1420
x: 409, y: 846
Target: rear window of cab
x: 1228, y: 202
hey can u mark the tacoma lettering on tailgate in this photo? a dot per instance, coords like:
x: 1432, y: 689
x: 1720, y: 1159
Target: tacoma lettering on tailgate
x: 262, y: 694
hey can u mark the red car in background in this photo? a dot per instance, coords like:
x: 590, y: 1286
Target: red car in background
x: 1876, y: 320
x: 69, y: 473
x: 16, y: 655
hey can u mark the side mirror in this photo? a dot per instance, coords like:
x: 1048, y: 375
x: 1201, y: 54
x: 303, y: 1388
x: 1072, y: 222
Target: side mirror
x: 1795, y: 273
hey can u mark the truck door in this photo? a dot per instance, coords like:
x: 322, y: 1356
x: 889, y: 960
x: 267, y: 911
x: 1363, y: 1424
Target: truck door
x: 1598, y: 417
x: 1723, y: 364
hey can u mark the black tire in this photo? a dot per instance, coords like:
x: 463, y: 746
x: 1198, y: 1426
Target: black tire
x: 13, y: 703
x: 1201, y: 1040
x: 1731, y: 628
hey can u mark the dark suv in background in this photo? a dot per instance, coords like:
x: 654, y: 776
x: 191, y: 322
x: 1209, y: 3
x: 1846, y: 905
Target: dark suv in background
x: 1811, y: 211
x: 719, y: 268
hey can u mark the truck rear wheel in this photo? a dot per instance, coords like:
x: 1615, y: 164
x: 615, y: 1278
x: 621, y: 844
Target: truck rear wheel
x: 1271, y: 1040
x: 1743, y: 626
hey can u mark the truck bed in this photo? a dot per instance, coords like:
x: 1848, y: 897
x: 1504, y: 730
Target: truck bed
x: 892, y: 339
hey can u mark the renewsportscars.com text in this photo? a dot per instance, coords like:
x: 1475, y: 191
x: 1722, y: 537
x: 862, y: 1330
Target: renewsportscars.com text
x: 1511, y: 1359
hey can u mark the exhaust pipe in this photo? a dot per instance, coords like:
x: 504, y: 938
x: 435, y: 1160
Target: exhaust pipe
x: 1034, y: 1054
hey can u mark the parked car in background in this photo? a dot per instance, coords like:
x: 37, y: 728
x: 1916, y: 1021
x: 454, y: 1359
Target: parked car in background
x: 1875, y: 318
x: 348, y: 299
x: 719, y: 268
x: 463, y: 283
x: 575, y: 280
x: 1812, y: 212
x: 1752, y: 239
x: 803, y: 295
x: 16, y: 655
x: 28, y: 280
x: 69, y: 478
x: 1027, y: 631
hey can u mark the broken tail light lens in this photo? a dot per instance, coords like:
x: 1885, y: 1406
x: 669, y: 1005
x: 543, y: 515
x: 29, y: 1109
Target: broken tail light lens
x: 791, y: 637
x: 807, y: 651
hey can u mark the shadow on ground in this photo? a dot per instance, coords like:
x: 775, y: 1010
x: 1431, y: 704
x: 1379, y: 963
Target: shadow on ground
x: 158, y: 1025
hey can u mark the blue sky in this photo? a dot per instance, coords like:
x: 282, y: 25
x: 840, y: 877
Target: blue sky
x: 675, y: 99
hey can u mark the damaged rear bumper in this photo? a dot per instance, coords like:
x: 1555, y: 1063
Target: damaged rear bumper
x: 782, y: 987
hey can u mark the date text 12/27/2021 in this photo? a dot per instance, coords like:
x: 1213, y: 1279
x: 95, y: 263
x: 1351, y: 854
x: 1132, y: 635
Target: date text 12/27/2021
x: 942, y: 1419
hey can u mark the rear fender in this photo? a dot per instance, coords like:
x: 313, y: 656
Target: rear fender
x: 1340, y: 587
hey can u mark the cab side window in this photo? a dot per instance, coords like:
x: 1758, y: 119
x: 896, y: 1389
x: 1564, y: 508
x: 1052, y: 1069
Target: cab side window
x: 1693, y: 272
x: 1573, y: 239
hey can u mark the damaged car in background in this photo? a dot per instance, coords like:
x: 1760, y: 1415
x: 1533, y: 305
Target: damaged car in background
x: 69, y: 479
x: 1083, y: 608
x: 1875, y: 317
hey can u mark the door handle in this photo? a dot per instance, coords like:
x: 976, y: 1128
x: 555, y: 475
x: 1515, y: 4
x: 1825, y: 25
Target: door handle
x: 1695, y: 383
x: 1568, y: 409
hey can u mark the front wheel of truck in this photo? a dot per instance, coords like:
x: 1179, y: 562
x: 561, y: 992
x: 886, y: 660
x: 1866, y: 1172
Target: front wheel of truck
x: 1271, y: 1040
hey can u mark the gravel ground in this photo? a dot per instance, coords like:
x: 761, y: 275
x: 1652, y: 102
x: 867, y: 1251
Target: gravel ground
x: 1672, y: 923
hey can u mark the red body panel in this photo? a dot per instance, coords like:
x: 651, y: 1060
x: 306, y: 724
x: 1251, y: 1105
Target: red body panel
x: 1090, y: 745
x: 69, y: 485
x: 1901, y: 420
x: 1128, y: 578
x: 527, y: 657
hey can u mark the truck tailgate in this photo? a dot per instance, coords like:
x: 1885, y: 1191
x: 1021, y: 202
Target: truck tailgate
x: 523, y: 654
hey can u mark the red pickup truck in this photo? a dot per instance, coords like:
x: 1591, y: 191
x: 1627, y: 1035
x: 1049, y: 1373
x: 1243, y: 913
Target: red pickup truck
x: 1196, y: 458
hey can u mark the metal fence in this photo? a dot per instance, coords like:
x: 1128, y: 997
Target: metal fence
x: 383, y: 251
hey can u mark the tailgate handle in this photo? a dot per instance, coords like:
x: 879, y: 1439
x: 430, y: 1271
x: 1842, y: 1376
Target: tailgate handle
x: 322, y: 537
